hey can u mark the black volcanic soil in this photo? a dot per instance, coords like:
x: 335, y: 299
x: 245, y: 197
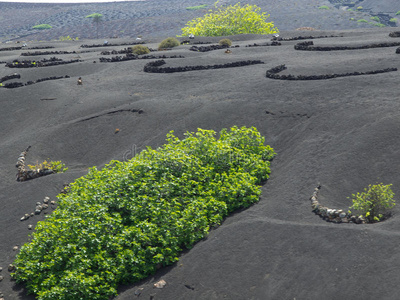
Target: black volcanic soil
x: 162, y: 18
x: 341, y: 132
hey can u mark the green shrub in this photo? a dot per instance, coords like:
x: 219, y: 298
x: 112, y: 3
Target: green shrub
x: 394, y: 20
x: 398, y: 13
x: 324, y: 7
x: 231, y: 20
x: 42, y: 26
x: 352, y: 19
x: 168, y: 43
x: 374, y: 202
x: 359, y: 8
x: 378, y: 24
x: 362, y: 21
x: 56, y: 166
x: 225, y: 42
x: 118, y: 224
x: 67, y: 38
x: 375, y: 19
x: 197, y: 7
x: 140, y: 49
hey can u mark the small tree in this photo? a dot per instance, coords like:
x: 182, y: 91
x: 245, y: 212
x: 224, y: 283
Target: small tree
x: 231, y: 20
x: 97, y: 18
x: 374, y: 202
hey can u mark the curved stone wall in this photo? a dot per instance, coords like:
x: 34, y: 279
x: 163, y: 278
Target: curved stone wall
x: 306, y: 46
x: 135, y: 57
x: 332, y: 214
x: 154, y: 67
x: 273, y: 74
x: 24, y: 174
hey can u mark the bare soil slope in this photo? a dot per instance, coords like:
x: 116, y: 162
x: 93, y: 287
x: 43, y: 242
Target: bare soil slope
x: 341, y: 132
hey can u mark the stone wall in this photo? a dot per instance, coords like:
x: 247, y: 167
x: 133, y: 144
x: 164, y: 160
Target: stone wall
x: 332, y: 214
x: 154, y: 67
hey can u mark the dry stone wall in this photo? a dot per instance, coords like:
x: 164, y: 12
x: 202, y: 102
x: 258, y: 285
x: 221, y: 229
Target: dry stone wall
x: 332, y: 214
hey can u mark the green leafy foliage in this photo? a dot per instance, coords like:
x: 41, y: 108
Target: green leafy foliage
x: 56, y: 166
x: 140, y: 49
x: 230, y: 20
x: 374, y: 202
x: 42, y: 26
x: 375, y: 18
x: 398, y: 13
x: 394, y: 20
x: 225, y: 42
x: 67, y: 38
x: 324, y: 7
x: 169, y: 43
x: 197, y: 7
x: 362, y: 21
x: 118, y: 224
x: 377, y: 24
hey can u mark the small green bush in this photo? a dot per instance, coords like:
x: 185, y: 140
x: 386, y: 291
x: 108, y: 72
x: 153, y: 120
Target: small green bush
x: 398, y: 13
x: 324, y: 7
x: 362, y: 21
x: 374, y: 202
x: 56, y: 166
x: 375, y: 18
x: 140, y: 49
x: 394, y: 20
x: 68, y: 38
x: 119, y: 224
x: 359, y: 7
x: 225, y: 42
x: 42, y: 26
x: 168, y: 43
x: 378, y: 24
x: 197, y: 7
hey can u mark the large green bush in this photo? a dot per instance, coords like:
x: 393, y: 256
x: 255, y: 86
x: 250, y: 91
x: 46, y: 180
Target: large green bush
x: 231, y: 20
x: 374, y: 202
x: 118, y: 224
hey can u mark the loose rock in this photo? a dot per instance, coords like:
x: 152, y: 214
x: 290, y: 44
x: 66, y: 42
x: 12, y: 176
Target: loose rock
x: 160, y: 284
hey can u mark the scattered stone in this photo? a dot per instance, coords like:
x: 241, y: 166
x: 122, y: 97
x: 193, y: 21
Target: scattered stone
x: 138, y: 292
x: 1, y: 269
x: 189, y: 287
x: 160, y: 284
x: 25, y: 217
x: 1, y: 278
x: 46, y: 199
x: 32, y: 214
x: 53, y: 202
x: 15, y: 248
x: 30, y: 227
x: 11, y: 267
x: 45, y: 206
